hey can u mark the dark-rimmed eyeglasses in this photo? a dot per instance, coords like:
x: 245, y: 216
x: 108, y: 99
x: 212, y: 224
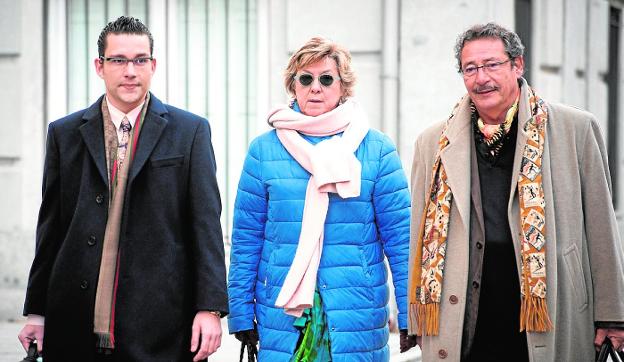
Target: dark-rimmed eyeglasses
x: 119, y: 61
x: 489, y: 67
x: 306, y: 79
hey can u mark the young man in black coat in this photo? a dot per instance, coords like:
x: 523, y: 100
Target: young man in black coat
x: 129, y: 264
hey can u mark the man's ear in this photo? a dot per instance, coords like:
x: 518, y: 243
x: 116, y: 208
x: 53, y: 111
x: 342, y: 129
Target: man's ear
x: 518, y: 64
x: 99, y: 67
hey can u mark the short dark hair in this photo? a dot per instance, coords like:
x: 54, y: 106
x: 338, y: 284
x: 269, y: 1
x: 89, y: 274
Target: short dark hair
x: 124, y: 25
x: 511, y: 41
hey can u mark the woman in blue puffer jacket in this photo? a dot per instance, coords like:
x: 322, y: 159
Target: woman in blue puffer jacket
x: 321, y: 201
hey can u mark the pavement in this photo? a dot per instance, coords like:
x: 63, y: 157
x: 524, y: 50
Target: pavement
x: 11, y: 350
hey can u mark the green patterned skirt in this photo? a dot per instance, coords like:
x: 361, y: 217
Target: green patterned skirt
x: 313, y: 344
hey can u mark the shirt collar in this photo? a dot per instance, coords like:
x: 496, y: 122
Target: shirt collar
x: 117, y: 115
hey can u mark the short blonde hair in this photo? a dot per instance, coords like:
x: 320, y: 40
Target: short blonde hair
x: 317, y: 49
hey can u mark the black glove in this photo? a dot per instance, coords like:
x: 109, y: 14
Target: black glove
x: 406, y: 341
x: 32, y: 354
x: 249, y: 340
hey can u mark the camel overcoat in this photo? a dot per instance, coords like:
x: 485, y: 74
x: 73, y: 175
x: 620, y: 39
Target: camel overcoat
x: 584, y: 258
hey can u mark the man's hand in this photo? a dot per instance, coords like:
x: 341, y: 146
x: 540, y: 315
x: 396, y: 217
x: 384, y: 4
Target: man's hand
x: 31, y: 333
x: 206, y: 326
x: 615, y: 335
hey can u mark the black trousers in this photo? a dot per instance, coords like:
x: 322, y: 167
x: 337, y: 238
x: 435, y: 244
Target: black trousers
x: 107, y: 356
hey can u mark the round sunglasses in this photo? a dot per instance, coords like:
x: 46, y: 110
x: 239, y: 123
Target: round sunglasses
x: 306, y: 79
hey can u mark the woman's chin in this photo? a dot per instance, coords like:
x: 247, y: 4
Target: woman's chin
x: 315, y: 110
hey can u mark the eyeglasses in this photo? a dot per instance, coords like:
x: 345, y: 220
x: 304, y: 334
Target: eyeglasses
x: 489, y: 67
x: 119, y: 62
x: 306, y: 79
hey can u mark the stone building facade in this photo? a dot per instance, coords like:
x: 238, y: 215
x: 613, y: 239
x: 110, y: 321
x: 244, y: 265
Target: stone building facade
x: 224, y: 59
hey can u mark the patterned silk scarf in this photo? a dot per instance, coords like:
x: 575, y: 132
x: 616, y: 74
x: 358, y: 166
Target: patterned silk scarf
x: 427, y: 273
x: 491, y: 137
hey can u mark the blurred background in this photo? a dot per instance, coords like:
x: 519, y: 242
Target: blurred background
x: 224, y: 59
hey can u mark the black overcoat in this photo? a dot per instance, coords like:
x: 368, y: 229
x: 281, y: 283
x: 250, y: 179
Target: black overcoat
x: 171, y: 257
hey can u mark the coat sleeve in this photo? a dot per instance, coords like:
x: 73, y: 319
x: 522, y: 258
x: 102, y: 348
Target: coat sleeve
x: 48, y: 238
x: 250, y: 215
x: 392, y: 211
x: 605, y: 248
x: 205, y: 225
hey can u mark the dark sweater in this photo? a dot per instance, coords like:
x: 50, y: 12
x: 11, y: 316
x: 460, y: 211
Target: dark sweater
x: 497, y: 336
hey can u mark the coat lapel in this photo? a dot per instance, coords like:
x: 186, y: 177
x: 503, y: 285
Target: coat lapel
x: 92, y: 132
x: 456, y: 159
x: 152, y: 128
x: 524, y: 115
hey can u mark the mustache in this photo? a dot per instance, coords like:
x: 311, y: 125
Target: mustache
x: 485, y: 88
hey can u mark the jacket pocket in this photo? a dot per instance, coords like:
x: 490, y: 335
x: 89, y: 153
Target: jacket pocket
x: 367, y: 271
x: 364, y: 263
x: 540, y: 353
x: 173, y: 161
x: 577, y: 278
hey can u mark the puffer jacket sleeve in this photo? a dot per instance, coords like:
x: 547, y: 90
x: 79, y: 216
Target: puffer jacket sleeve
x: 391, y: 200
x: 250, y: 210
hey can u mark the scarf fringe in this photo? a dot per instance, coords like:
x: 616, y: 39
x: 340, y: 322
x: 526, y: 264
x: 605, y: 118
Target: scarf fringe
x: 534, y: 315
x: 427, y: 318
x: 104, y: 340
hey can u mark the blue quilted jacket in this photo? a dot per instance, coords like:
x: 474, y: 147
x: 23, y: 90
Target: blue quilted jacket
x: 352, y: 277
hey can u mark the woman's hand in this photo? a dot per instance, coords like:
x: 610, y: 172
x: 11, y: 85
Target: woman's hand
x: 407, y: 341
x: 249, y: 339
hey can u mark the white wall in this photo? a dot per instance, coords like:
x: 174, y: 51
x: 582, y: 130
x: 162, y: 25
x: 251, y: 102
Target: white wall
x: 430, y: 85
x: 21, y: 144
x: 224, y: 59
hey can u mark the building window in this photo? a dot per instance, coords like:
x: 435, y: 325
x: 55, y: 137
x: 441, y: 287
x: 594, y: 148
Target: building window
x: 206, y: 52
x: 524, y: 25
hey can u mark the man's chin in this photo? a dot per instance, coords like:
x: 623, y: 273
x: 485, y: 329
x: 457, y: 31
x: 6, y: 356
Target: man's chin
x: 132, y: 98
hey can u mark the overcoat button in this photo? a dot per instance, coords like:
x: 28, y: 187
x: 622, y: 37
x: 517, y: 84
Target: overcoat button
x: 99, y: 198
x: 453, y: 299
x: 479, y: 245
x: 475, y: 285
x: 442, y: 353
x: 91, y: 240
x: 84, y: 285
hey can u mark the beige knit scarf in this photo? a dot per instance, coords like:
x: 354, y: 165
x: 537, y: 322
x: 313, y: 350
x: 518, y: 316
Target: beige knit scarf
x: 104, y: 310
x: 428, y: 270
x: 333, y: 168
